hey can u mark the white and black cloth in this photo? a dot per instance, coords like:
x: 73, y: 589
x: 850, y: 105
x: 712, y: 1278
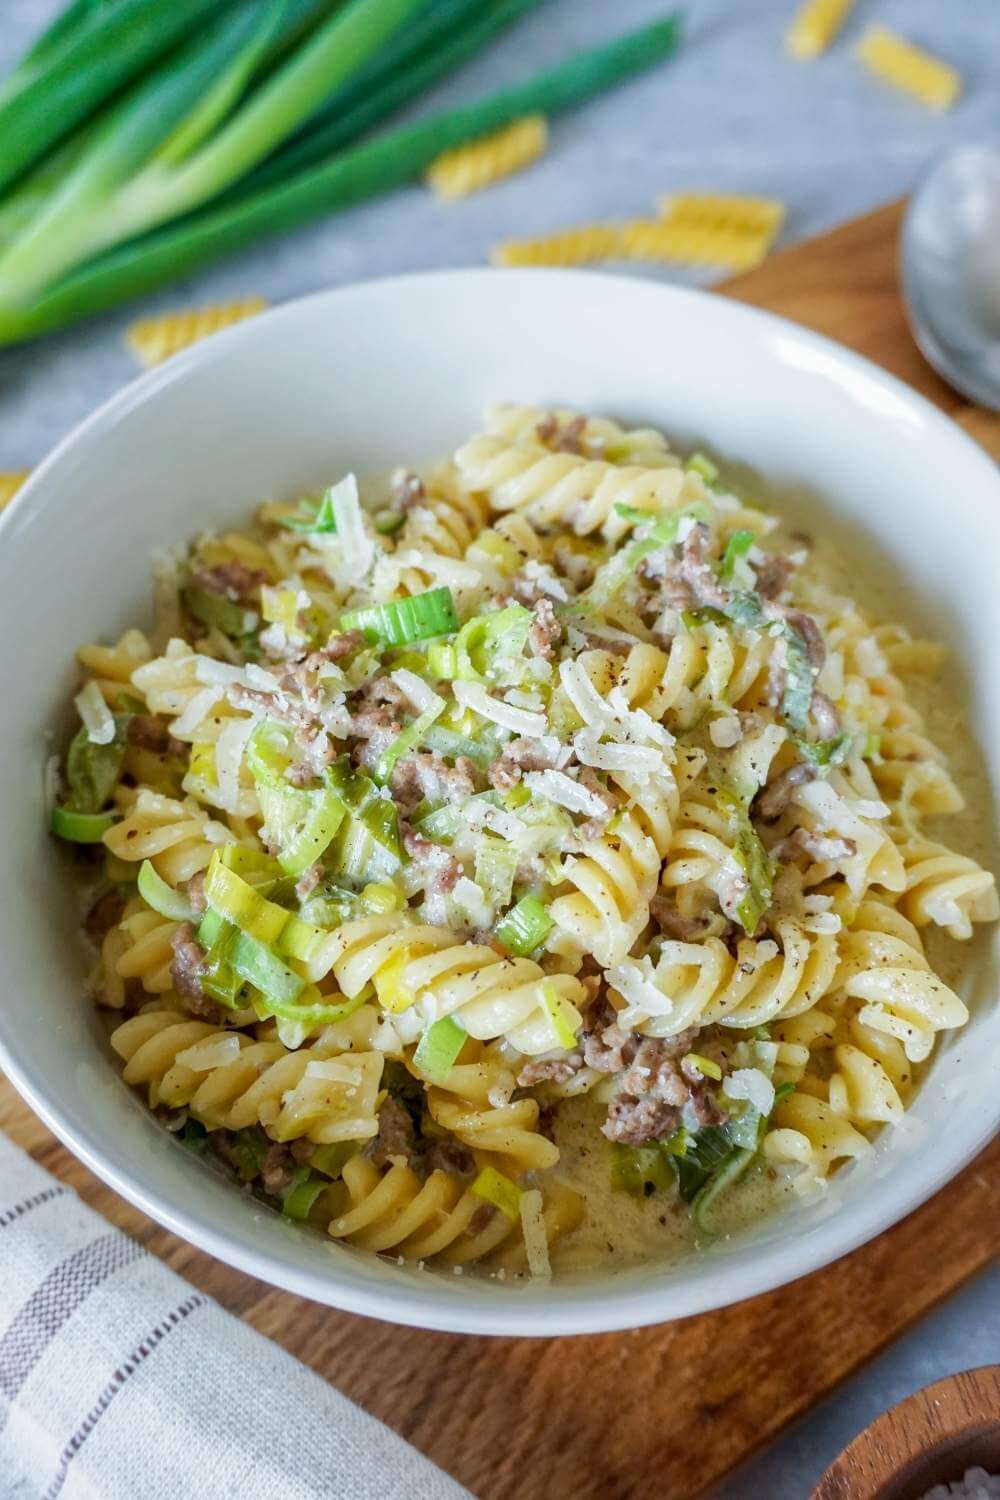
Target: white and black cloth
x: 119, y: 1380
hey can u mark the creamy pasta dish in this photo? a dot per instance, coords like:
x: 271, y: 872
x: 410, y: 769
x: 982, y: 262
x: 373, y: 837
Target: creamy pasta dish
x: 528, y: 860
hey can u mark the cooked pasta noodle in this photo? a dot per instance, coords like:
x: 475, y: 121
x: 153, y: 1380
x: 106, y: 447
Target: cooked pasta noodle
x: 227, y: 1080
x: 547, y: 829
x: 437, y: 1219
x: 554, y: 489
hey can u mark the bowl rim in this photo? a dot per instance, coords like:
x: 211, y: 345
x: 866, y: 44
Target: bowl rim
x: 567, y: 1309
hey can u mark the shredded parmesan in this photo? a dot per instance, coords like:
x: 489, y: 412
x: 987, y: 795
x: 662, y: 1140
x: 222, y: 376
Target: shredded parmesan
x: 359, y: 553
x: 257, y: 677
x: 639, y: 760
x: 210, y: 671
x: 536, y: 1241
x: 544, y: 575
x: 95, y: 715
x: 229, y: 748
x: 518, y: 720
x: 469, y: 898
x: 199, y: 706
x: 484, y: 815
x: 332, y: 1070
x: 725, y: 731
x: 421, y: 695
x: 562, y: 789
x: 635, y: 981
x: 212, y: 1052
x: 754, y: 1086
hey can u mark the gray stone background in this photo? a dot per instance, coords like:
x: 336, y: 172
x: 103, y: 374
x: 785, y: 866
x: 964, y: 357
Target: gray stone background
x: 731, y: 113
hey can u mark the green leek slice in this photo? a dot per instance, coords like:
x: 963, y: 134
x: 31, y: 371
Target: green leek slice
x: 80, y: 827
x: 156, y: 893
x: 525, y: 927
x: 401, y: 621
x: 439, y: 1047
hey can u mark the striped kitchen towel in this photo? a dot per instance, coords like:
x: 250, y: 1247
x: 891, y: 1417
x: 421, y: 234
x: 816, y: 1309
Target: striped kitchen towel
x: 119, y: 1380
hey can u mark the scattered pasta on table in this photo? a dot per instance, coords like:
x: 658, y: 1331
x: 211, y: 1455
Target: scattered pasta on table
x: 815, y: 26
x: 909, y: 68
x: 11, y: 481
x: 531, y: 860
x: 724, y: 212
x: 692, y: 244
x: 469, y: 169
x: 152, y: 340
x: 578, y: 246
x: 730, y: 231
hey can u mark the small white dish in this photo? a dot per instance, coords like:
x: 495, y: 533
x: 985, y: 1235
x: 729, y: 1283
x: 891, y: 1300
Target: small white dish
x: 363, y: 378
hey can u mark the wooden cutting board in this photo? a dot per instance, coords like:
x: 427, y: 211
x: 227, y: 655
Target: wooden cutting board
x: 661, y: 1412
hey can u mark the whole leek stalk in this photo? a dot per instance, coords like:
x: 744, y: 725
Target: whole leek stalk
x: 90, y: 51
x: 154, y: 156
x: 234, y: 136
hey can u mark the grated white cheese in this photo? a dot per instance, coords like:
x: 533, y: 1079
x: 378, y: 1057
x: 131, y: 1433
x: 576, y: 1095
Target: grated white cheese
x: 260, y: 678
x: 543, y: 575
x: 582, y: 694
x: 636, y: 722
x: 725, y: 731
x: 333, y: 1070
x: 357, y: 549
x: 867, y: 809
x: 754, y: 1086
x: 609, y: 755
x: 95, y: 715
x: 635, y: 981
x: 229, y: 748
x: 469, y: 898
x: 562, y: 789
x: 536, y: 1241
x: 208, y: 670
x: 212, y: 1052
x: 518, y: 720
x: 199, y: 706
x: 420, y: 694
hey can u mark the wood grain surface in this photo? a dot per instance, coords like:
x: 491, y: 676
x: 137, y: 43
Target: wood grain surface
x: 933, y: 1437
x: 662, y: 1412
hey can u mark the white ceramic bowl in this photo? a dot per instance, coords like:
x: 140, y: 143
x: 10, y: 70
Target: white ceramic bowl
x: 363, y: 378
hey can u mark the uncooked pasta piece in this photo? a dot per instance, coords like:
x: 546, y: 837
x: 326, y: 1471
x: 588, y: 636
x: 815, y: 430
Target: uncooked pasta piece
x: 578, y: 246
x: 469, y: 169
x: 11, y: 481
x: 152, y: 340
x: 909, y: 68
x: 816, y: 24
x: 734, y: 213
x: 692, y: 244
